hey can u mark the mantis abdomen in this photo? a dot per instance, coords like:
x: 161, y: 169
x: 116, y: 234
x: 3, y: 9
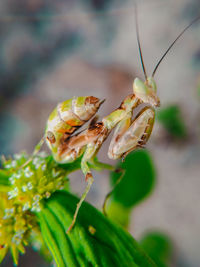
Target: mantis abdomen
x: 67, y: 117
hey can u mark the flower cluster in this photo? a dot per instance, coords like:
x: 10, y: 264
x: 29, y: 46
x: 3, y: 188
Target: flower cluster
x: 15, y: 227
x: 36, y: 180
x: 29, y: 181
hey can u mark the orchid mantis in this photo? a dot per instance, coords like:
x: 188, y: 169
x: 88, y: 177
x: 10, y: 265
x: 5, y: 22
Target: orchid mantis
x: 132, y: 131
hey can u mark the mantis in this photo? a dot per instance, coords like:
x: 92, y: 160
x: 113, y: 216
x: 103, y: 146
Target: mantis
x: 66, y: 144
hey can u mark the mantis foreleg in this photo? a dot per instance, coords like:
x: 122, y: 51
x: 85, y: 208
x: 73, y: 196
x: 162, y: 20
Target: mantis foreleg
x: 126, y: 140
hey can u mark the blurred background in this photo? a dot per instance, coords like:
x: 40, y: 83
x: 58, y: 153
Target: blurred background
x: 53, y: 50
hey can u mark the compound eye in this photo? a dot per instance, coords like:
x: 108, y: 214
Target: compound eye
x: 152, y: 84
x: 51, y: 137
x: 139, y: 87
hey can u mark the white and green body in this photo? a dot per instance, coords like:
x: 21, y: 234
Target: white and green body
x: 130, y: 133
x: 71, y: 114
x: 65, y: 119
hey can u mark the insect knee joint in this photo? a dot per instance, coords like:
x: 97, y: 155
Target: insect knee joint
x: 89, y: 178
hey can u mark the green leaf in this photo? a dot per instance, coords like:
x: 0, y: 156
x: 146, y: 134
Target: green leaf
x: 4, y: 177
x: 158, y: 246
x: 118, y: 213
x: 171, y: 119
x: 138, y: 179
x: 135, y: 185
x: 94, y: 240
x: 71, y: 167
x: 4, y: 181
x: 60, y: 247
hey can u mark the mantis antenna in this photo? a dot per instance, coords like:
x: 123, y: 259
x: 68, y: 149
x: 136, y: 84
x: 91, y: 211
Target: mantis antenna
x: 181, y: 33
x: 138, y: 41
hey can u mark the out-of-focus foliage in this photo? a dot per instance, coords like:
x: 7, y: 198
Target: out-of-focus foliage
x: 4, y: 179
x: 171, y: 119
x: 158, y: 246
x: 135, y: 185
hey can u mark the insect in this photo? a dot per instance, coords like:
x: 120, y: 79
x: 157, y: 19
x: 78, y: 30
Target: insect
x: 130, y: 133
x: 65, y: 119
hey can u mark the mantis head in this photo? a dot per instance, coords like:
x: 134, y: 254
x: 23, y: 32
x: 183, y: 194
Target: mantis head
x: 146, y: 91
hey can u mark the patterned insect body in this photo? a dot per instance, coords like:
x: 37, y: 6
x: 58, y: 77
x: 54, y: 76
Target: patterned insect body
x: 68, y: 116
x: 130, y: 133
x: 133, y: 133
x: 65, y: 119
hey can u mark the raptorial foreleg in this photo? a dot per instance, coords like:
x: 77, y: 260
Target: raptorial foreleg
x: 126, y: 139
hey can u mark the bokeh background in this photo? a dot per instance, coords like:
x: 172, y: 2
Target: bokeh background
x: 53, y: 50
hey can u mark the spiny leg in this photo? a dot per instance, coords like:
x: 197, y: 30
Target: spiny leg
x: 126, y: 140
x: 129, y: 137
x: 120, y: 130
x: 38, y: 146
x: 98, y: 166
x: 90, y: 181
x: 88, y: 154
x: 122, y: 171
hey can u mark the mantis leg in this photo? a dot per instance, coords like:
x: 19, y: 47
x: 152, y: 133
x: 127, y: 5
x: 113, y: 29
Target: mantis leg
x: 88, y: 154
x: 120, y: 131
x: 35, y: 152
x: 126, y: 138
x: 89, y: 184
x: 38, y: 146
x: 122, y: 171
x: 97, y: 165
